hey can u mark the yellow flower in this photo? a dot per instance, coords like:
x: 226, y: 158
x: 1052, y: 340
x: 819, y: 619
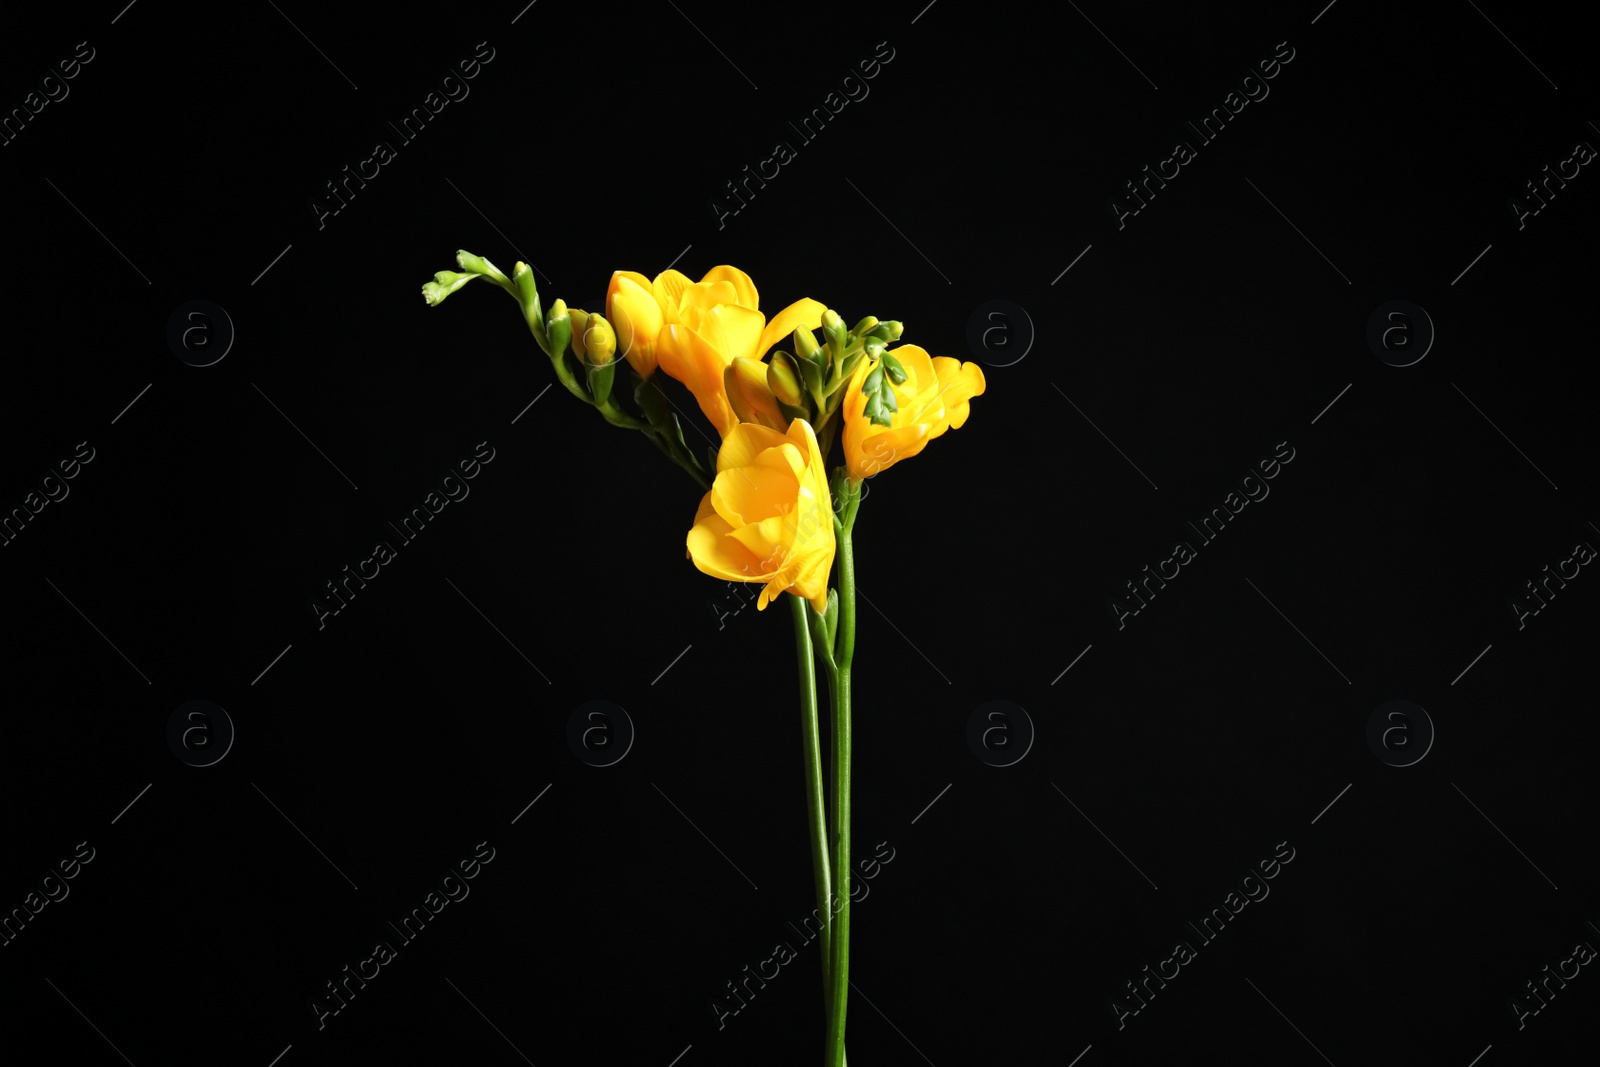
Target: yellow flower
x: 710, y: 322
x: 636, y: 317
x: 931, y: 400
x: 768, y: 517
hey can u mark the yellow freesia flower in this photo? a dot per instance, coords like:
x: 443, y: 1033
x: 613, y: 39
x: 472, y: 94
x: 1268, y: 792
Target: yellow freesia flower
x: 768, y: 517
x: 636, y: 317
x: 710, y: 322
x: 931, y: 400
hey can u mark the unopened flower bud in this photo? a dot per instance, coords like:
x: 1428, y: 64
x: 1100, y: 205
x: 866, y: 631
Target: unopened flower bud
x: 832, y: 324
x: 444, y: 283
x: 558, y: 329
x: 580, y: 325
x: 783, y: 378
x: 478, y: 265
x: 599, y: 341
x: 745, y: 382
x: 805, y: 343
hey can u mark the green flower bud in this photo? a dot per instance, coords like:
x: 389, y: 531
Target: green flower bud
x: 833, y: 326
x: 478, y: 265
x: 527, y: 293
x: 600, y: 378
x: 783, y: 378
x: 805, y: 344
x: 865, y: 325
x: 558, y: 330
x: 891, y: 367
x: 444, y: 283
x: 896, y: 328
x: 881, y: 402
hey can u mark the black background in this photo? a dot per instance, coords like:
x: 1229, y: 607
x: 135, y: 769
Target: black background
x: 425, y: 716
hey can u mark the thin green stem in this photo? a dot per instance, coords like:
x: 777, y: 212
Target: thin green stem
x: 843, y: 654
x: 558, y: 360
x: 816, y: 819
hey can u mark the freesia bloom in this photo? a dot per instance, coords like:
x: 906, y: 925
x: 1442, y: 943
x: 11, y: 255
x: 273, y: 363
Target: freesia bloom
x: 931, y: 400
x: 768, y: 517
x: 710, y: 322
x: 636, y: 317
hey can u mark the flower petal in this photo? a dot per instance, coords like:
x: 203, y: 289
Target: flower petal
x: 745, y: 495
x: 636, y: 318
x: 958, y: 383
x: 707, y: 295
x: 734, y: 330
x: 668, y: 289
x: 806, y: 312
x: 744, y: 290
x: 717, y: 554
x: 688, y: 357
x: 744, y: 443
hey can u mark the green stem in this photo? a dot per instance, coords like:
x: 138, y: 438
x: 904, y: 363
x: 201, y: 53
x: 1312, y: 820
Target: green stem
x: 816, y: 819
x: 843, y: 654
x: 557, y: 360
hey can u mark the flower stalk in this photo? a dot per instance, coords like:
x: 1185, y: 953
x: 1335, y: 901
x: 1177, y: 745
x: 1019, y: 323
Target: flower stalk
x: 839, y: 678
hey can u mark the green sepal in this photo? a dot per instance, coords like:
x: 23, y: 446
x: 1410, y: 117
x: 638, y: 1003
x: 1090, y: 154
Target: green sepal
x: 811, y: 375
x: 527, y: 293
x: 833, y: 329
x: 793, y: 411
x: 821, y: 632
x: 600, y: 379
x: 558, y: 335
x: 849, y: 366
